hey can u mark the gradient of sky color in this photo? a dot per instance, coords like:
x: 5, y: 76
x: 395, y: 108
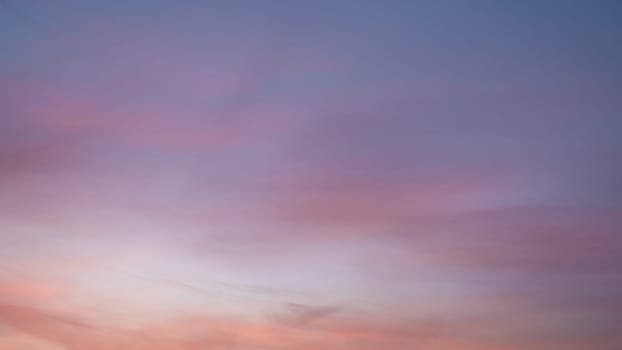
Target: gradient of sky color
x: 310, y: 175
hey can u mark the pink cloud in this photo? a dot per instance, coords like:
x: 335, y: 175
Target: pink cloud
x: 28, y: 289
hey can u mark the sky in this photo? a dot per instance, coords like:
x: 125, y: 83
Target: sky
x: 310, y: 175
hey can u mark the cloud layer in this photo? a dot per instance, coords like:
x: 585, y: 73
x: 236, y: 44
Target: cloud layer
x: 338, y: 176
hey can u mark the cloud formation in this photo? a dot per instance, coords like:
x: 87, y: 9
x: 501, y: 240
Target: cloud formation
x: 335, y: 176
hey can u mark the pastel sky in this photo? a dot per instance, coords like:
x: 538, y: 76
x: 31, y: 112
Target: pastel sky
x: 310, y: 175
